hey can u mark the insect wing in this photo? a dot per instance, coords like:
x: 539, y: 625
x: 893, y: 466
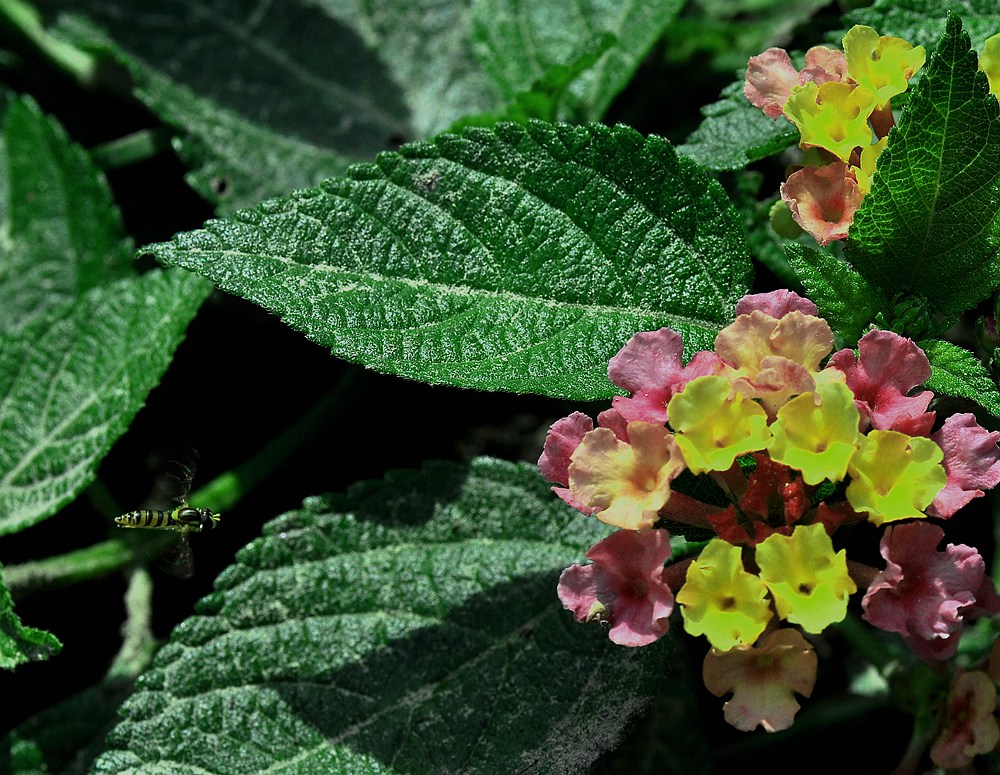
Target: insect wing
x: 177, y: 559
x: 174, y: 469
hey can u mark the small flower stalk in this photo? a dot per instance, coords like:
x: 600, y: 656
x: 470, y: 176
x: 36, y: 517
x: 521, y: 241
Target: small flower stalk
x: 799, y: 443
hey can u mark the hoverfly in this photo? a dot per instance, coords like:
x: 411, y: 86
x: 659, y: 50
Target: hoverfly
x: 167, y: 508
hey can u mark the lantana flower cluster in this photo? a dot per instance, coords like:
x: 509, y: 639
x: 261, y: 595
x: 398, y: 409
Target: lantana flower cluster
x: 799, y: 443
x: 841, y: 103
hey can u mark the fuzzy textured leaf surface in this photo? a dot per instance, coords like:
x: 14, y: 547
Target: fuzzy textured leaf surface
x: 841, y: 294
x: 928, y: 225
x: 922, y: 22
x: 20, y: 644
x: 735, y: 133
x: 957, y: 372
x: 64, y: 233
x: 417, y: 632
x: 82, y: 338
x: 268, y: 98
x: 519, y: 259
x: 519, y: 42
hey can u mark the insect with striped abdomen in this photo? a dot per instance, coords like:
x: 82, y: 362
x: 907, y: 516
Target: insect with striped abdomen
x: 167, y: 508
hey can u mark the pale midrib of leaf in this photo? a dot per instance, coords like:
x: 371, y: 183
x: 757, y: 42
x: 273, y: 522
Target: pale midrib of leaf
x: 471, y: 292
x: 935, y: 213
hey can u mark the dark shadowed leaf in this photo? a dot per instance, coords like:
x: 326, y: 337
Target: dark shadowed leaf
x: 411, y: 626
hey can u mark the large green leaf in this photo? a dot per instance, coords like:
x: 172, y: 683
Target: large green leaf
x: 519, y: 259
x: 927, y: 226
x: 411, y: 626
x: 270, y: 98
x: 922, y: 22
x: 82, y: 338
x: 519, y: 42
x: 64, y: 233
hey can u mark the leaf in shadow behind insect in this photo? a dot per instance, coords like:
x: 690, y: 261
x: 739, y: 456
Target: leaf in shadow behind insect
x: 167, y: 508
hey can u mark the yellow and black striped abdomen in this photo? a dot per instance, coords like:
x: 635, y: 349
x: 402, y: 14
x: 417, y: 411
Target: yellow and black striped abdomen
x: 183, y: 519
x: 150, y: 518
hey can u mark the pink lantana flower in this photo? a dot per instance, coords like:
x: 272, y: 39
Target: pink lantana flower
x: 777, y: 304
x: 623, y: 586
x: 823, y: 200
x: 649, y: 366
x: 971, y: 460
x: 763, y: 679
x: 887, y: 368
x: 562, y: 440
x: 771, y: 75
x: 970, y: 726
x: 625, y: 483
x: 924, y: 594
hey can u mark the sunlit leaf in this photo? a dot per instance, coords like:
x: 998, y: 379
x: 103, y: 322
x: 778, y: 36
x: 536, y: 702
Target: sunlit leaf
x: 519, y: 259
x: 928, y: 225
x: 735, y: 133
x: 957, y: 372
x: 83, y: 339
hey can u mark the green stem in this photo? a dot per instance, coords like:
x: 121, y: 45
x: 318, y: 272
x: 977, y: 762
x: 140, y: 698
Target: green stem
x: 221, y: 494
x: 66, y: 569
x: 226, y: 490
x: 22, y: 22
x: 136, y: 147
x: 139, y: 643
